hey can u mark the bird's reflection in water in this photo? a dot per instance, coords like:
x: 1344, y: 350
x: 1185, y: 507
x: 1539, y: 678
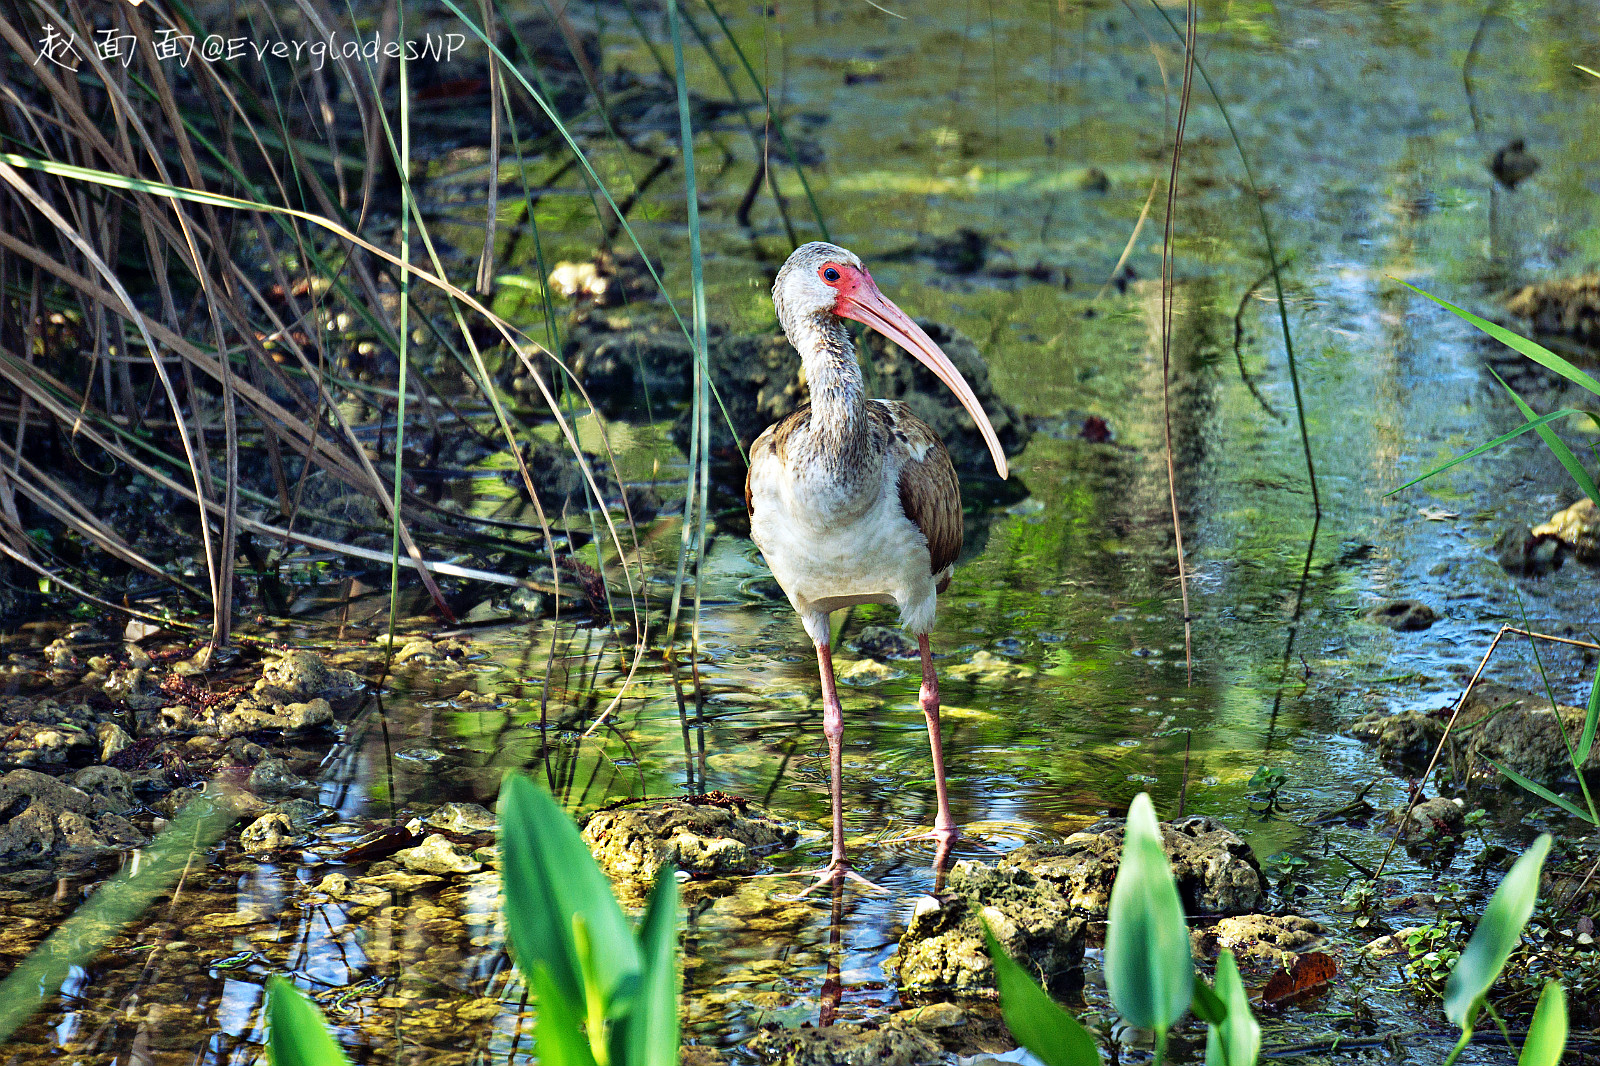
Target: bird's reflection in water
x: 832, y: 986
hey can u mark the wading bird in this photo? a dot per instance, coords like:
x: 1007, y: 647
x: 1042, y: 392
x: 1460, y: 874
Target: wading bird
x: 854, y: 500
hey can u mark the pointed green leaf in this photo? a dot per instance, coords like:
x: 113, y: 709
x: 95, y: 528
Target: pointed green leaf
x: 549, y: 878
x: 1557, y: 446
x: 1537, y: 352
x: 1547, y: 1033
x: 1542, y: 420
x: 1038, y: 1023
x: 1236, y: 1040
x: 557, y: 1038
x: 1207, y: 1005
x: 297, y: 1034
x: 1542, y: 792
x: 1148, y: 966
x: 648, y: 1036
x: 1590, y: 720
x: 1497, y: 934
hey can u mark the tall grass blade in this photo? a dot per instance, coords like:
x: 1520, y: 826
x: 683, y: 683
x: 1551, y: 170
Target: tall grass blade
x: 1542, y: 792
x: 1557, y: 446
x: 651, y: 1029
x: 1497, y: 934
x: 550, y: 878
x: 1035, y: 1019
x: 557, y: 1037
x: 403, y: 347
x: 78, y: 939
x: 1236, y: 1039
x: 1542, y: 420
x: 297, y: 1033
x: 1591, y: 719
x: 1148, y: 965
x: 1532, y: 349
x: 1547, y: 1033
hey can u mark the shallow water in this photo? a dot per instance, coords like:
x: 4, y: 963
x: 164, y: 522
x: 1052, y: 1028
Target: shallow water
x: 1360, y: 133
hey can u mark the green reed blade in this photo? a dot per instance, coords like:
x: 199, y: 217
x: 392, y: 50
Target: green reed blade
x: 1236, y: 1039
x: 1542, y: 420
x: 1498, y: 932
x: 297, y: 1033
x: 1547, y: 1033
x: 1556, y: 445
x: 1038, y: 1023
x: 1148, y: 964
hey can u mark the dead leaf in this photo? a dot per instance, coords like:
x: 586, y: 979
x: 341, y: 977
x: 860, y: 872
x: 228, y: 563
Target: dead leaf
x: 1309, y: 976
x: 1437, y: 514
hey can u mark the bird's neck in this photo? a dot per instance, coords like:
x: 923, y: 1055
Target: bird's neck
x: 838, y: 395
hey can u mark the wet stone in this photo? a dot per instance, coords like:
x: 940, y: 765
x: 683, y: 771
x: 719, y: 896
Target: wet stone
x: 1577, y: 527
x: 437, y: 855
x: 1270, y: 938
x: 1407, y: 737
x: 1519, y: 731
x: 986, y: 668
x: 41, y: 819
x: 273, y: 777
x: 304, y: 675
x: 271, y: 832
x: 867, y: 672
x: 1438, y: 817
x: 307, y: 715
x: 1403, y: 616
x: 884, y: 643
x: 112, y: 787
x: 463, y: 818
x: 703, y: 839
x: 846, y: 1044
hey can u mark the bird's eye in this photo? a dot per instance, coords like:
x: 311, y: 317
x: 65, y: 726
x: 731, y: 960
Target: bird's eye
x: 830, y: 274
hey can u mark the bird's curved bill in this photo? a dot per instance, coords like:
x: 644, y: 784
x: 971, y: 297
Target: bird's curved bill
x: 872, y: 308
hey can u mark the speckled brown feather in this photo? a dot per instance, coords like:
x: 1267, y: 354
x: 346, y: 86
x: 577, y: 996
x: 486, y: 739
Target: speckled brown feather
x: 930, y: 495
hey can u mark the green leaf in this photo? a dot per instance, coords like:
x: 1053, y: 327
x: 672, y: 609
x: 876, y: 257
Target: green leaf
x: 557, y: 1038
x: 1207, y: 1005
x: 1542, y: 420
x: 1035, y: 1019
x: 1547, y: 1033
x: 1543, y: 793
x: 649, y: 1035
x: 1590, y: 720
x: 1537, y: 352
x: 1557, y: 446
x: 549, y: 879
x: 297, y: 1034
x: 1236, y: 1040
x: 1497, y: 933
x: 1148, y: 967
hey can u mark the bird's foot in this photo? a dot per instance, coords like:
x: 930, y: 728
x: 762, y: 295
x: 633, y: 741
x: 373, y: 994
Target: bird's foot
x: 835, y: 872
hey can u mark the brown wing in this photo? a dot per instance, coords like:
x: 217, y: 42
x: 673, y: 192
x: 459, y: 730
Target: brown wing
x: 929, y: 492
x: 773, y: 441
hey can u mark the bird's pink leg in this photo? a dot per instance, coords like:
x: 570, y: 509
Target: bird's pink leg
x: 838, y: 867
x: 945, y: 831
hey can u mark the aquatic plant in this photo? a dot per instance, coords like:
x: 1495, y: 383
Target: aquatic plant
x: 1150, y: 972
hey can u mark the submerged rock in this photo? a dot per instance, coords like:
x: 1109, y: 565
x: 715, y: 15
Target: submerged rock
x: 41, y: 819
x: 1407, y: 737
x: 112, y: 787
x: 1403, y: 616
x: 846, y: 1044
x: 1568, y: 306
x: 634, y: 843
x: 885, y: 642
x: 1577, y: 527
x: 463, y: 818
x: 271, y: 832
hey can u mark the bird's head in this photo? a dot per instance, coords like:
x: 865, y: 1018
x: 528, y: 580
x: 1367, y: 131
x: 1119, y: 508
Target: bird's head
x: 822, y: 280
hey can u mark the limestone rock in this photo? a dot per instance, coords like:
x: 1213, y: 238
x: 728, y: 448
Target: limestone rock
x: 307, y: 715
x: 846, y: 1044
x: 273, y: 777
x: 1268, y: 937
x: 304, y: 675
x: 112, y: 788
x: 1578, y: 527
x: 1407, y: 737
x: 1566, y: 305
x: 437, y: 855
x: 866, y: 672
x: 1519, y: 731
x: 986, y: 668
x: 463, y: 818
x: 1438, y: 817
x: 41, y: 819
x: 271, y: 832
x: 113, y: 739
x: 634, y: 843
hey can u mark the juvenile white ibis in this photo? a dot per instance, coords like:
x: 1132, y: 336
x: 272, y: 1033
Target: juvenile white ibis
x: 854, y: 500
